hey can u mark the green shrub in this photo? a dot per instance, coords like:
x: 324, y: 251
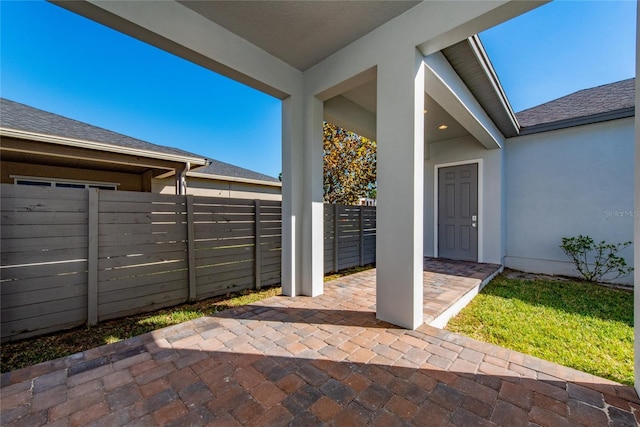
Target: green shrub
x: 596, y: 262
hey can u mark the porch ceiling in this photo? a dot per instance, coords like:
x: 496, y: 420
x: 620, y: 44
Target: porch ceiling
x: 365, y: 96
x: 301, y: 33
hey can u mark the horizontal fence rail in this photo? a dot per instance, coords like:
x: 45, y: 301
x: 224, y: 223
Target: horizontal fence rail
x: 349, y: 236
x: 71, y: 257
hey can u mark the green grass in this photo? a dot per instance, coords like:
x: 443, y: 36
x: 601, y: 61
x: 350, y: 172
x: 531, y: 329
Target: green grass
x: 19, y: 354
x: 584, y: 326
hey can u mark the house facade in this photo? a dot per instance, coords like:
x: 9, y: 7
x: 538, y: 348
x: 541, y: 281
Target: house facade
x: 45, y: 149
x: 574, y: 178
x: 396, y: 49
x: 568, y: 171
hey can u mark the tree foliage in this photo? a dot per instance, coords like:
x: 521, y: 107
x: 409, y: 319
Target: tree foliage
x: 349, y: 166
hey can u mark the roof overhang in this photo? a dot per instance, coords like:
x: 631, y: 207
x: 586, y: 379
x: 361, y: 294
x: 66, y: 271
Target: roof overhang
x: 443, y: 84
x: 99, y: 146
x: 470, y: 61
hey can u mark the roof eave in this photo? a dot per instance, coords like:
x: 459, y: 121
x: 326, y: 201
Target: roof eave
x: 578, y: 121
x: 485, y: 63
x: 100, y: 146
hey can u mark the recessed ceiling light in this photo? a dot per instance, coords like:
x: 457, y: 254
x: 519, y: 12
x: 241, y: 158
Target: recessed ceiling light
x: 442, y: 127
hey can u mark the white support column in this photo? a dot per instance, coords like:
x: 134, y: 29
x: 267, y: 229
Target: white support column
x: 292, y: 191
x: 313, y: 207
x: 302, y: 206
x: 636, y: 238
x: 400, y: 132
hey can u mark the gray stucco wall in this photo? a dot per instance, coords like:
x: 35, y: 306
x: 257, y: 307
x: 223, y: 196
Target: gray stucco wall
x: 564, y: 183
x: 490, y: 183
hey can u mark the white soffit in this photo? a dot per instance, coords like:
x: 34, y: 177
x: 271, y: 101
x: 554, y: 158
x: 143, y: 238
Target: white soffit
x: 300, y: 33
x: 364, y: 96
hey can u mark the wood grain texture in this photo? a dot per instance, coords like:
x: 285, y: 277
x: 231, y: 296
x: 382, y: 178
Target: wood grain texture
x: 63, y: 263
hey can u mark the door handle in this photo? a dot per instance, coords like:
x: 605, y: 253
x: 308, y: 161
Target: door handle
x: 474, y: 225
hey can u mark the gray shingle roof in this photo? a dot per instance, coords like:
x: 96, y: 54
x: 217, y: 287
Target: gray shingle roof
x: 601, y: 101
x: 14, y: 115
x: 225, y: 169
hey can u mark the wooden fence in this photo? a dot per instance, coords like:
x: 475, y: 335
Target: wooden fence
x: 71, y: 257
x: 355, y: 227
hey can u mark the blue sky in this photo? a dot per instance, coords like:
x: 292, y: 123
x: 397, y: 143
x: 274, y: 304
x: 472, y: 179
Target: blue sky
x: 60, y: 62
x: 562, y: 47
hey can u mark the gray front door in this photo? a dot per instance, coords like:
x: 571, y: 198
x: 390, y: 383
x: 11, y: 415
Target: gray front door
x: 458, y: 212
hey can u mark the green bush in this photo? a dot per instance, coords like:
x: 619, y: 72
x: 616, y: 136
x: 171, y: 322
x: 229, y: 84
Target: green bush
x: 596, y: 262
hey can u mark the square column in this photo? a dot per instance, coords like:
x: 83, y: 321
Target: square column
x: 292, y: 185
x: 400, y: 134
x: 302, y: 196
x: 313, y: 201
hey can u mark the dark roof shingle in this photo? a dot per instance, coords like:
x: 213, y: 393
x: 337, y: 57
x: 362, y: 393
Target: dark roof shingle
x: 225, y: 169
x: 14, y: 115
x: 600, y: 100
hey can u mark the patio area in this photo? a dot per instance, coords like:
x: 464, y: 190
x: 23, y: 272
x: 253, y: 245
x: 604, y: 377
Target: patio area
x: 309, y: 361
x: 450, y: 285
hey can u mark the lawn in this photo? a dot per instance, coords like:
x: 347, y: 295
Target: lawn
x: 584, y: 326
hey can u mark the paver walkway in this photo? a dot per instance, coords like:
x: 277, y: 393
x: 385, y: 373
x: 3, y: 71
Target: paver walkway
x: 450, y: 285
x: 309, y: 361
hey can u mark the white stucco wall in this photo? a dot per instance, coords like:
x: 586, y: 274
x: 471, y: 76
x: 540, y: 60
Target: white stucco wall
x: 564, y: 183
x: 490, y: 185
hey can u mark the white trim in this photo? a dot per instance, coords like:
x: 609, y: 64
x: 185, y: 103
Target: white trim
x: 54, y: 181
x: 480, y: 203
x: 483, y: 59
x: 194, y: 174
x: 444, y: 85
x: 91, y: 145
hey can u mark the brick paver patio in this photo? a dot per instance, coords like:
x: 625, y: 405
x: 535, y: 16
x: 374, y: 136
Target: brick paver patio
x: 450, y: 285
x: 309, y: 361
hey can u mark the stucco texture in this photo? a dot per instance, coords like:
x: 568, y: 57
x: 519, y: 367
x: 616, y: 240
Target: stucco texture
x: 565, y: 183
